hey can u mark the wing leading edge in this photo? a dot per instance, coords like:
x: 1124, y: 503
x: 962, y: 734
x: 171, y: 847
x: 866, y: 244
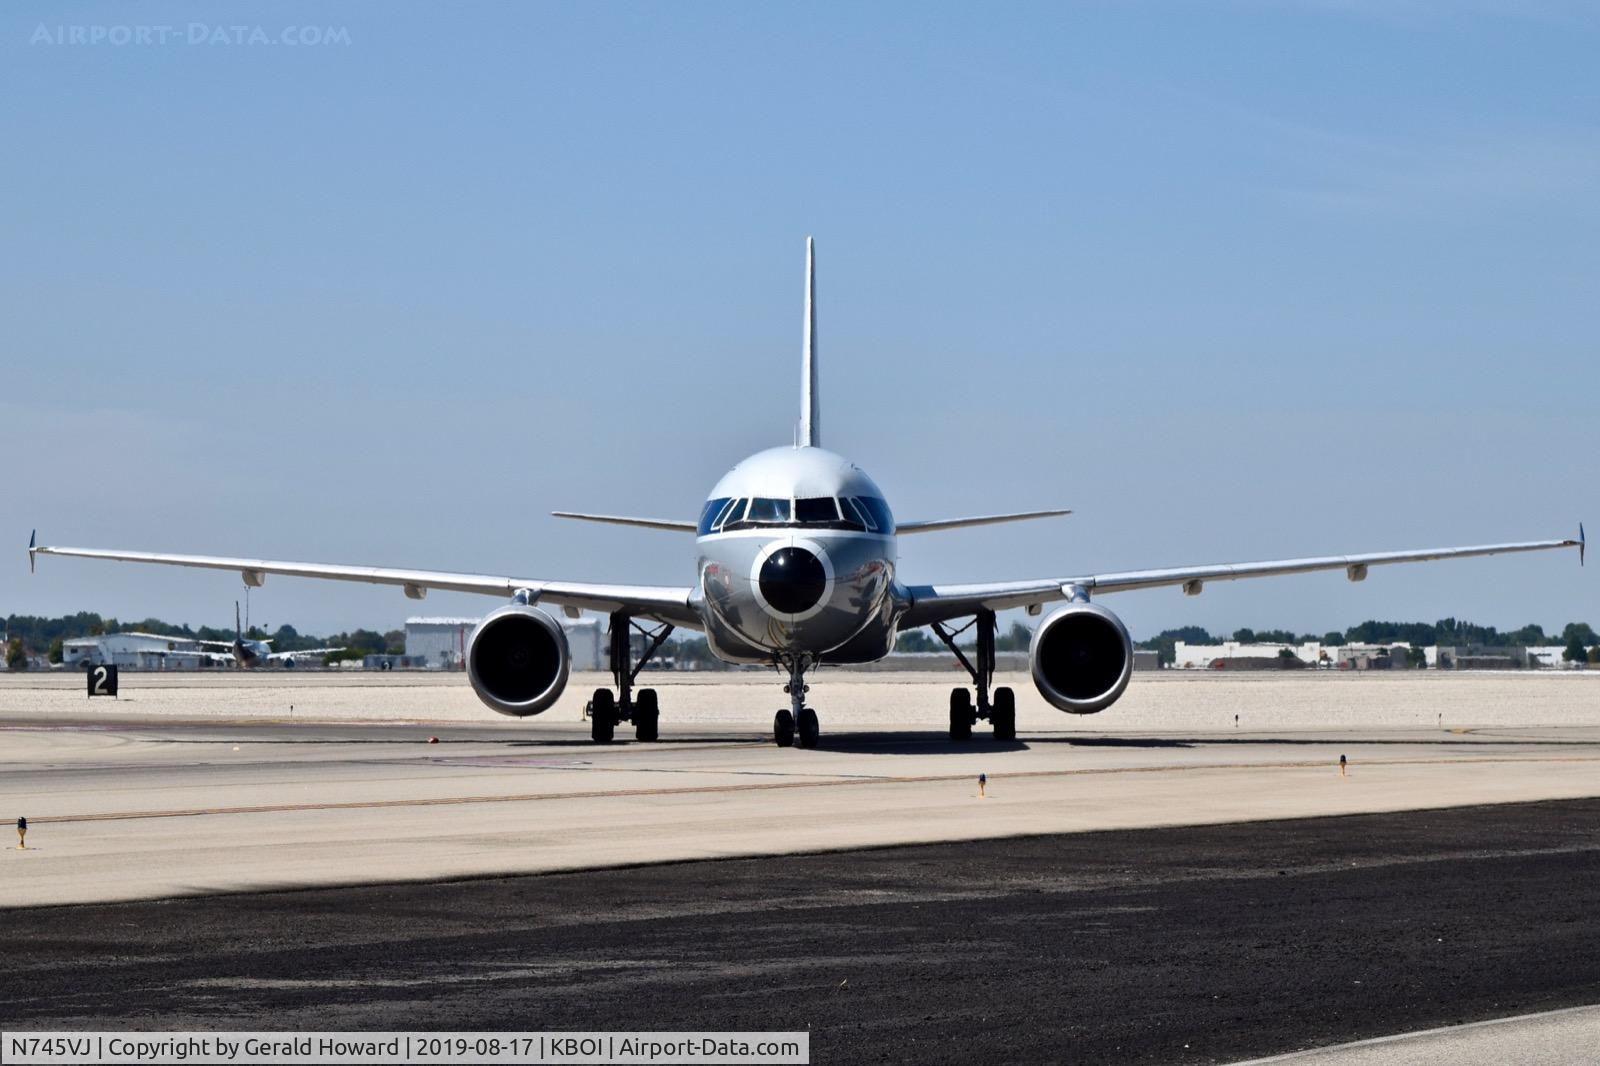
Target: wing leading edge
x: 663, y: 603
x: 937, y: 524
x: 936, y: 603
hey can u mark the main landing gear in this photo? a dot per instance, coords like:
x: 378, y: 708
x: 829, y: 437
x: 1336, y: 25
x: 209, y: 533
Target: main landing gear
x: 1001, y: 711
x: 797, y: 721
x: 606, y: 709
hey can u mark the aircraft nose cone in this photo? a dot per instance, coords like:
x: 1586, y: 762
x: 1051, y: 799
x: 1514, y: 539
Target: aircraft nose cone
x: 792, y: 580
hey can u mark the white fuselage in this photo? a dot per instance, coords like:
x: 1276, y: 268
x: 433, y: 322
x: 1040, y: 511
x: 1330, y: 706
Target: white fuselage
x: 796, y: 559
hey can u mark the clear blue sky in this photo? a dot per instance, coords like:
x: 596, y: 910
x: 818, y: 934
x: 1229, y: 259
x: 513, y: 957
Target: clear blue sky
x: 1235, y: 281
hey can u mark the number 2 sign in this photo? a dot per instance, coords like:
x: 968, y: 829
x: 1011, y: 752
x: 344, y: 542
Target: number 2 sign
x: 102, y: 681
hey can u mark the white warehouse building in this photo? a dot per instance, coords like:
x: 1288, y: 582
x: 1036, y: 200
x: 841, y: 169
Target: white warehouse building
x: 1200, y: 656
x: 134, y: 651
x: 441, y: 643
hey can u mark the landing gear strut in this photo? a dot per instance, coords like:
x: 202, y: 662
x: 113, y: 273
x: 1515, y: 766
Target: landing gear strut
x: 1001, y: 711
x: 796, y: 720
x: 606, y: 709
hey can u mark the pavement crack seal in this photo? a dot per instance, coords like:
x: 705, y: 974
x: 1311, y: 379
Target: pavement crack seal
x: 765, y: 786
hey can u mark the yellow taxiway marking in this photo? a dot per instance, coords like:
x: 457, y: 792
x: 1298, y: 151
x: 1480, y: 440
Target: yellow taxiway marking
x: 824, y: 781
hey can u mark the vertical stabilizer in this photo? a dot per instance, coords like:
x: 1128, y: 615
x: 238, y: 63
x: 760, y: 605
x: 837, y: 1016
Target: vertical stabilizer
x: 810, y: 423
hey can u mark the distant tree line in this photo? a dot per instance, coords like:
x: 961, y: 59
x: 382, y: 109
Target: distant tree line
x: 1017, y: 638
x: 34, y: 635
x: 1575, y: 636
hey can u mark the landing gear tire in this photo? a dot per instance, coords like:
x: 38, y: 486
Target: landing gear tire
x: 961, y: 716
x: 602, y: 716
x: 646, y: 715
x: 783, y: 729
x: 1003, y: 715
x: 810, y: 729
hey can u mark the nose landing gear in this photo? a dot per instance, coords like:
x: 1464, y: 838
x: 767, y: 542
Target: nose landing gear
x: 1001, y: 711
x: 796, y: 720
x: 606, y: 709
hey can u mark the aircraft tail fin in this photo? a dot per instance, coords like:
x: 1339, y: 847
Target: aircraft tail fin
x: 810, y: 435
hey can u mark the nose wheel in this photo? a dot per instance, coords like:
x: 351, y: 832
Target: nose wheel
x: 788, y: 728
x: 797, y: 721
x: 809, y: 728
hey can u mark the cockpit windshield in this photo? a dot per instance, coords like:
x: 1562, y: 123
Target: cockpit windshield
x: 816, y: 511
x: 859, y: 513
x: 764, y: 510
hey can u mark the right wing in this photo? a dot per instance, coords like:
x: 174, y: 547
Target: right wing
x: 659, y: 602
x: 938, y: 603
x: 669, y: 524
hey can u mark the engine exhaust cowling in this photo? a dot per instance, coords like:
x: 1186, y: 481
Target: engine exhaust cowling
x: 517, y: 660
x: 1082, y: 658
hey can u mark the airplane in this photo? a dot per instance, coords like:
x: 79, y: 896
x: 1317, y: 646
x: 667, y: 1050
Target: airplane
x: 795, y: 569
x: 249, y: 654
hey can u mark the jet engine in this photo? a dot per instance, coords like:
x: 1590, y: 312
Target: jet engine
x: 1081, y: 658
x: 517, y: 660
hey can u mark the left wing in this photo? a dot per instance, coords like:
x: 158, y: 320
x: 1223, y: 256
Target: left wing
x: 977, y: 520
x: 936, y: 603
x: 659, y: 602
x: 303, y: 651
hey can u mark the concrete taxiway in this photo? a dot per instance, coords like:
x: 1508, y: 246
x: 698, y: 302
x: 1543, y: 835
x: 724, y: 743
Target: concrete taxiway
x: 212, y: 784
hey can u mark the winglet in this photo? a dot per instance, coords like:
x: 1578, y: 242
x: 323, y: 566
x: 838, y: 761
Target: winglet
x: 33, y: 548
x: 1580, y: 544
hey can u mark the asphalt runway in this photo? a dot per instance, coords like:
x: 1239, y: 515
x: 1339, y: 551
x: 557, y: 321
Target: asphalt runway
x: 1185, y: 944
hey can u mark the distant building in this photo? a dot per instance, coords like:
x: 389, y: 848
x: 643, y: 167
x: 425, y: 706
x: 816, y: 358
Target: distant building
x: 133, y: 651
x: 1374, y: 656
x: 439, y: 643
x: 1146, y: 660
x: 1203, y: 656
x: 587, y: 642
x: 1480, y: 657
x: 385, y: 661
x: 1005, y: 662
x: 1552, y: 655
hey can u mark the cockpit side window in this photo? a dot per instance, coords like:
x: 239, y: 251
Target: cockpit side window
x: 711, y: 512
x: 816, y: 511
x: 728, y: 516
x: 765, y: 510
x: 878, y: 511
x: 854, y: 516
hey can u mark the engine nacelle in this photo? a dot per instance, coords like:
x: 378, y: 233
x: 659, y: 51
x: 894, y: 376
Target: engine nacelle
x: 1082, y: 658
x: 517, y: 660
